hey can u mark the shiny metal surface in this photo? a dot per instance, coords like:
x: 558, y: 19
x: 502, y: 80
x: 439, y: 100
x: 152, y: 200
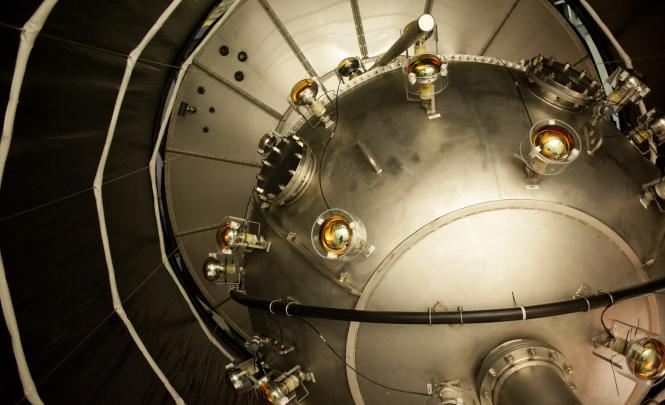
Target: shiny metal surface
x: 562, y: 85
x: 415, y: 31
x: 526, y: 371
x: 536, y: 385
x: 451, y: 214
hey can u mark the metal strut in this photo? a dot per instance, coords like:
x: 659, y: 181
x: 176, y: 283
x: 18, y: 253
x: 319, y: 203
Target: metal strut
x: 360, y: 31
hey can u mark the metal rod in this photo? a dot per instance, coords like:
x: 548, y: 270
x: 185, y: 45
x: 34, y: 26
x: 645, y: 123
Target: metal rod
x: 370, y: 158
x: 416, y: 30
x: 360, y: 31
x: 265, y: 107
x: 428, y: 6
x: 288, y: 38
x: 197, y: 230
x: 496, y: 32
x: 210, y: 157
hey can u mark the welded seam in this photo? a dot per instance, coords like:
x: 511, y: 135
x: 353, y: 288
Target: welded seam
x: 29, y: 33
x: 153, y: 170
x: 97, y: 185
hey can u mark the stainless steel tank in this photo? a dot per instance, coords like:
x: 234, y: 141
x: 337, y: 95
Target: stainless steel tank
x: 456, y: 216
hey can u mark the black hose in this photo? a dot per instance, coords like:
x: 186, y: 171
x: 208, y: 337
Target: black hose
x: 600, y: 300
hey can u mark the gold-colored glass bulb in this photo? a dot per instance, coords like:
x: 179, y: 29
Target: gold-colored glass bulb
x: 425, y: 65
x: 555, y: 142
x: 304, y: 92
x: 646, y: 359
x: 336, y: 234
x: 226, y: 235
x: 348, y: 67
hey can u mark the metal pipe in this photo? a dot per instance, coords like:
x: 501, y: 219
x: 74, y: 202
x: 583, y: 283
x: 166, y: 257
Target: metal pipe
x: 536, y: 385
x: 581, y: 304
x: 416, y: 30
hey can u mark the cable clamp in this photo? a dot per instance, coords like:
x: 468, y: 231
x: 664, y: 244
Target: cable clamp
x: 270, y: 306
x: 429, y: 311
x: 523, y: 312
x: 588, y: 304
x: 610, y: 295
x: 287, y: 299
x: 461, y: 316
x: 286, y: 309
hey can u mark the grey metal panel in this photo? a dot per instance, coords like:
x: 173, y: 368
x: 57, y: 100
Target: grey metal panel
x: 271, y: 68
x: 324, y: 30
x: 384, y: 20
x: 234, y: 128
x: 547, y: 256
x: 463, y: 26
x: 200, y: 192
x: 535, y: 27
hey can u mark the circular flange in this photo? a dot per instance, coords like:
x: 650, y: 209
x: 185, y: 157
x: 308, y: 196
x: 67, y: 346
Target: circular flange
x: 561, y: 85
x: 515, y: 355
x: 286, y: 172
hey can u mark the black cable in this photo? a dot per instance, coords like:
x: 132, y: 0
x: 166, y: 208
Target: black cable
x: 325, y: 147
x: 517, y: 313
x: 332, y: 349
x: 519, y: 91
x: 602, y: 321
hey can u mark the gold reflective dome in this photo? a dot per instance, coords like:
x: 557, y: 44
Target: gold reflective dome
x: 425, y: 65
x: 555, y: 142
x: 269, y: 394
x: 348, y: 66
x: 336, y: 234
x: 226, y: 235
x: 303, y: 91
x: 648, y: 361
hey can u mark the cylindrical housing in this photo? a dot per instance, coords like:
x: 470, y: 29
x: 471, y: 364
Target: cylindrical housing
x: 540, y: 385
x: 526, y: 371
x: 416, y: 30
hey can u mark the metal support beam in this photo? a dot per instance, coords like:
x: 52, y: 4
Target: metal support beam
x: 360, y: 31
x: 265, y: 107
x: 428, y: 6
x: 210, y: 157
x: 288, y: 38
x: 499, y: 28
